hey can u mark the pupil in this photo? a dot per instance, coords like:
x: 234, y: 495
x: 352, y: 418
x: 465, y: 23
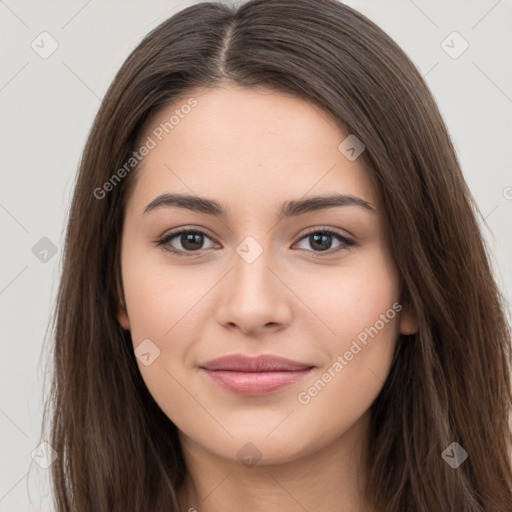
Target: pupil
x: 322, y: 246
x: 189, y: 239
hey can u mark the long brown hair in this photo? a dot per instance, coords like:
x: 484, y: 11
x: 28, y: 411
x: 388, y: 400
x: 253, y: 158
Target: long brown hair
x: 448, y: 383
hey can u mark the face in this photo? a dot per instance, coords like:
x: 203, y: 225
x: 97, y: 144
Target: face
x: 261, y: 269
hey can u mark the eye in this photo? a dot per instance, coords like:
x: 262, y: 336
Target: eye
x: 321, y: 241
x: 189, y: 240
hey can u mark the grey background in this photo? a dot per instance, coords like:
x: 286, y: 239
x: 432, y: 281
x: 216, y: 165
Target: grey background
x: 47, y: 107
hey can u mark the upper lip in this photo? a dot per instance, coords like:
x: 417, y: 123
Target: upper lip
x: 263, y: 363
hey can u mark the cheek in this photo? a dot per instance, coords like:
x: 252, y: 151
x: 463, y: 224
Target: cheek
x: 163, y: 308
x: 359, y: 328
x: 352, y: 298
x: 166, y: 305
x: 160, y: 297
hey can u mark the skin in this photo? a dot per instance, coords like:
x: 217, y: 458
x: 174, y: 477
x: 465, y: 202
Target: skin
x: 252, y: 150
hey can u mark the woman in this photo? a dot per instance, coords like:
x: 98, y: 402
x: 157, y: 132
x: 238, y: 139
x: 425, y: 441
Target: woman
x: 275, y: 293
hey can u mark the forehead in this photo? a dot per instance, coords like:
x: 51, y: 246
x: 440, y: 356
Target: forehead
x: 247, y: 144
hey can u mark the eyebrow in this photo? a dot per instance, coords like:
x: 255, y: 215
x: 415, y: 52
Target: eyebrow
x: 292, y: 208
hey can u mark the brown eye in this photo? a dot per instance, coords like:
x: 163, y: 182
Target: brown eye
x: 184, y: 241
x: 322, y: 240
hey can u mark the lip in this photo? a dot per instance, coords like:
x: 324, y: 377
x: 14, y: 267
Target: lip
x: 254, y: 376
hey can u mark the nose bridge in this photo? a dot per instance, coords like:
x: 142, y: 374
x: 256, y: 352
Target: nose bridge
x: 252, y: 277
x: 252, y: 296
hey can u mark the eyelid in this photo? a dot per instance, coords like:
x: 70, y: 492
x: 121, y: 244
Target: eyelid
x: 185, y: 229
x: 327, y: 229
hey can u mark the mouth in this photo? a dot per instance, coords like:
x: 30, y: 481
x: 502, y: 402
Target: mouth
x: 254, y: 376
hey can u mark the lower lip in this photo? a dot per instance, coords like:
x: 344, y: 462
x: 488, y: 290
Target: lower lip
x: 255, y: 383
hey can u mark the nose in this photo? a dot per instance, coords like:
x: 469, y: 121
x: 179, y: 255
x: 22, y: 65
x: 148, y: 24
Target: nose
x: 254, y: 297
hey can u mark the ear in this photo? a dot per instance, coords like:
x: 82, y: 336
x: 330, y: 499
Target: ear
x: 122, y: 317
x: 122, y: 314
x: 408, y: 320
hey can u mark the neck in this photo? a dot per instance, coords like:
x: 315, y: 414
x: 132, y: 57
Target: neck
x: 331, y: 479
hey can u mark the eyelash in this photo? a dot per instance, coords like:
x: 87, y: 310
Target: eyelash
x: 345, y: 241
